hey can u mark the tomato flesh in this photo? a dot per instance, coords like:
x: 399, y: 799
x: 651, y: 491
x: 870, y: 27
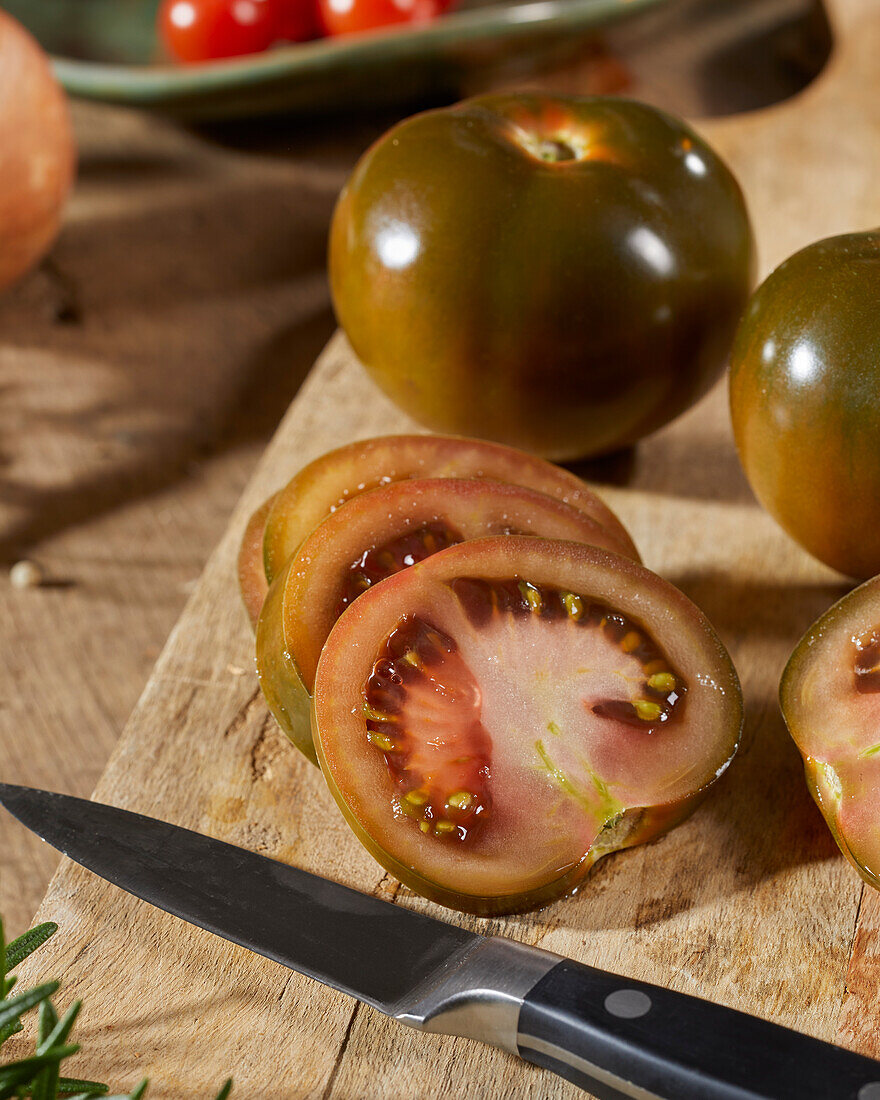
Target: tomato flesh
x: 423, y: 703
x: 830, y: 697
x: 375, y: 535
x: 422, y: 709
x: 578, y: 700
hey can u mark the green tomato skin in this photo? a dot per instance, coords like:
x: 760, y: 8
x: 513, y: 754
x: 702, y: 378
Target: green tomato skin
x: 805, y: 399
x: 565, y: 306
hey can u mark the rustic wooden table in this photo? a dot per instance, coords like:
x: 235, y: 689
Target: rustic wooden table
x: 142, y: 373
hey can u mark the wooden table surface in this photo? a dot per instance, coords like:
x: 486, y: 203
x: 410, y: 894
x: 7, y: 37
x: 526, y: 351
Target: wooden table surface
x: 141, y: 376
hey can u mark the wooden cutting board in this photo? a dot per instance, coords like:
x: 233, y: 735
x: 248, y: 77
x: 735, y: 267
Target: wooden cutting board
x: 748, y: 903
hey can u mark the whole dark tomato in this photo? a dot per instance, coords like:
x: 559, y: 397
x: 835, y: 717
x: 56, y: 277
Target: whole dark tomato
x: 499, y: 716
x: 830, y: 697
x: 804, y: 385
x: 351, y: 16
x: 561, y: 274
x: 200, y: 30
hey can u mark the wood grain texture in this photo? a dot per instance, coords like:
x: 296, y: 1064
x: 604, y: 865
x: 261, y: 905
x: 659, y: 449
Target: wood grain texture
x: 748, y: 902
x: 141, y: 373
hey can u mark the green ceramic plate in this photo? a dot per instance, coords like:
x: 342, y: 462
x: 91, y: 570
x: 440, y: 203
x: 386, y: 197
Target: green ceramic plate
x: 106, y: 49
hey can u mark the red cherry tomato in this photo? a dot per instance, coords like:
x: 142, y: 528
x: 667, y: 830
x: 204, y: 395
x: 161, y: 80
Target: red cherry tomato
x: 298, y: 20
x: 199, y: 30
x: 351, y: 16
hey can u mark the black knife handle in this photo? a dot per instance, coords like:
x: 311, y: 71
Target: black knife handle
x: 627, y: 1040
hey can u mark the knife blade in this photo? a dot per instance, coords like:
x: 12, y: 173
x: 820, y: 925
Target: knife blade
x: 619, y: 1038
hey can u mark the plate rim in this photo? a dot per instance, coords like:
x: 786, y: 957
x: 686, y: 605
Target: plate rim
x: 157, y: 83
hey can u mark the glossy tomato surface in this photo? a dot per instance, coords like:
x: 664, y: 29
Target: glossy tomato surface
x: 202, y: 30
x: 804, y: 385
x: 830, y: 697
x: 563, y: 274
x: 338, y: 476
x: 379, y: 533
x: 496, y: 718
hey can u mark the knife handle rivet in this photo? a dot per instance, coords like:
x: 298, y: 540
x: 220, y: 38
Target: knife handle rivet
x: 629, y: 1004
x: 870, y: 1091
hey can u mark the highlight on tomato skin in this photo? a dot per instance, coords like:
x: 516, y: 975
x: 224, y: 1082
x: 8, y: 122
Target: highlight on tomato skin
x: 205, y: 30
x: 375, y: 535
x: 830, y: 699
x: 494, y: 719
x: 335, y: 478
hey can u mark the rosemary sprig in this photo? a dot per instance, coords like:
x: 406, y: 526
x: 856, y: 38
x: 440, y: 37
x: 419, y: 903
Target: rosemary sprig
x: 38, y: 1076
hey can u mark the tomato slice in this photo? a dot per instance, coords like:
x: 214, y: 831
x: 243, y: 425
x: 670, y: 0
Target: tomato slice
x: 252, y: 581
x: 496, y: 718
x: 830, y: 697
x: 335, y: 478
x: 377, y: 534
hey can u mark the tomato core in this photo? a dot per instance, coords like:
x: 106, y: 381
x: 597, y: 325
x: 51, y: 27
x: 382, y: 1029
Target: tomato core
x: 423, y: 702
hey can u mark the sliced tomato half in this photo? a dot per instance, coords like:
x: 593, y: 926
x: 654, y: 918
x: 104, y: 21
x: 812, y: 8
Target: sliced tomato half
x: 830, y: 698
x: 335, y: 478
x: 498, y: 717
x: 377, y: 534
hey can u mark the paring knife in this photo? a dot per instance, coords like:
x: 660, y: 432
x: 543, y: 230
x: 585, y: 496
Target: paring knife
x: 620, y: 1039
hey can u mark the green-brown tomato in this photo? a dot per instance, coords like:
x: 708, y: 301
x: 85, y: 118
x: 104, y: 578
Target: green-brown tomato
x: 804, y: 385
x: 563, y: 274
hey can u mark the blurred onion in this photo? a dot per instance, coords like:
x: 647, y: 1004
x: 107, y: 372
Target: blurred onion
x: 36, y: 152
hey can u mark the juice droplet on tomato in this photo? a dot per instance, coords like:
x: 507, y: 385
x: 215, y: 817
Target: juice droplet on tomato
x: 867, y: 661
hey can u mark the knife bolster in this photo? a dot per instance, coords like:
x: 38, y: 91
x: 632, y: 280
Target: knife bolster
x: 480, y: 992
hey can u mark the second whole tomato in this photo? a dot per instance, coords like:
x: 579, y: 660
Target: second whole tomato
x: 804, y: 379
x: 562, y: 274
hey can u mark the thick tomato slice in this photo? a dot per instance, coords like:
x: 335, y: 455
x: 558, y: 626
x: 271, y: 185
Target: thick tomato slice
x: 252, y: 581
x: 498, y: 717
x: 335, y: 478
x: 377, y: 534
x: 830, y: 697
